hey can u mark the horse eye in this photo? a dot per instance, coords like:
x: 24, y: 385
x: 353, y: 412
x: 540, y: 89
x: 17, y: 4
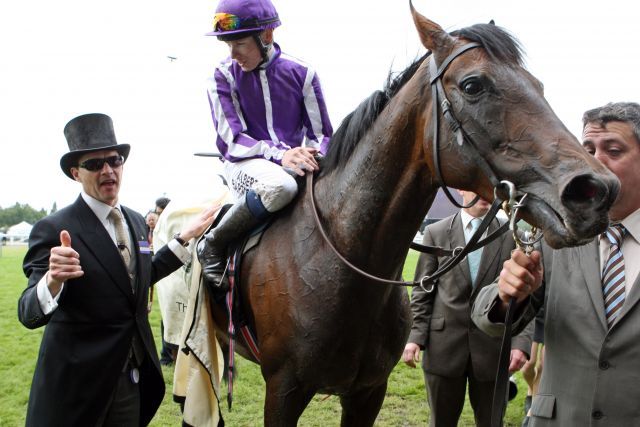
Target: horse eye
x: 472, y: 87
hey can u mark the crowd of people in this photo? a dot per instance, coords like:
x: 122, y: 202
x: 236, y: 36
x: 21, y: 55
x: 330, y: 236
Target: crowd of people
x: 92, y: 265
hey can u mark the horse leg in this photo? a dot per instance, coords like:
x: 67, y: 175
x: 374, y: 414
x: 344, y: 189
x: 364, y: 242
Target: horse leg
x: 285, y: 400
x: 361, y: 408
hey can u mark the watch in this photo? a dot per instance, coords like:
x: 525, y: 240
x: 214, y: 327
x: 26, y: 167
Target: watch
x: 180, y: 240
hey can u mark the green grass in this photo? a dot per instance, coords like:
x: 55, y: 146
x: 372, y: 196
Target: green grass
x: 405, y: 403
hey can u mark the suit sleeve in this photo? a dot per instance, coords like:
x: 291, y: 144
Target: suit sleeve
x: 164, y: 263
x: 484, y: 311
x: 522, y: 341
x: 421, y: 301
x: 43, y: 237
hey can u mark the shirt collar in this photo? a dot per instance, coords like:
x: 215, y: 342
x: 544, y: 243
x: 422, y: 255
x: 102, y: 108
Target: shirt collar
x: 101, y: 210
x: 632, y: 224
x: 466, y: 218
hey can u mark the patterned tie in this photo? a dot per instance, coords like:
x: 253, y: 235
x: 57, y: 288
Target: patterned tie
x: 613, y: 274
x: 473, y: 258
x: 122, y: 237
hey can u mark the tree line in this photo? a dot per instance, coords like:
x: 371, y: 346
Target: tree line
x: 21, y: 212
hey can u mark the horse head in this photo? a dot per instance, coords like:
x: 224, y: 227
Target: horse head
x: 508, y: 131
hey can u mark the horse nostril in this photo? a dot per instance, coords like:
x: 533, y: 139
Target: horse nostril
x: 585, y: 189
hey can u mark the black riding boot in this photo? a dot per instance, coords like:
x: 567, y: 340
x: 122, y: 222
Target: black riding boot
x: 241, y: 218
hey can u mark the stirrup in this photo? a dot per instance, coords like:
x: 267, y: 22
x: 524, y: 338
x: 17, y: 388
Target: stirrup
x: 221, y: 280
x: 222, y: 283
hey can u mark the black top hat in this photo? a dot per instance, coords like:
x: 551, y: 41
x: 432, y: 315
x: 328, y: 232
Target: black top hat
x: 88, y: 133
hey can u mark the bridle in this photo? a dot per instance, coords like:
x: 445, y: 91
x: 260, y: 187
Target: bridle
x: 427, y: 283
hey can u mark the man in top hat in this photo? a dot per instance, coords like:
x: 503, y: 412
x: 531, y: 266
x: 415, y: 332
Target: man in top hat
x: 89, y: 269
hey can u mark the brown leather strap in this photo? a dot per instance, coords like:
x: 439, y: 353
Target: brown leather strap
x: 441, y: 252
x: 458, y: 253
x: 502, y: 376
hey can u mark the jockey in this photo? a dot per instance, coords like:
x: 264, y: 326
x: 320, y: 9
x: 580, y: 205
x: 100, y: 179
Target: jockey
x: 264, y: 104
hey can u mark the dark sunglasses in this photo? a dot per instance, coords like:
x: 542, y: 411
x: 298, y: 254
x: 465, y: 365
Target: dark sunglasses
x: 95, y: 165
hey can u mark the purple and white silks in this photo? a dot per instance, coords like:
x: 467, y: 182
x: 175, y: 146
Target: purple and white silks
x: 263, y: 113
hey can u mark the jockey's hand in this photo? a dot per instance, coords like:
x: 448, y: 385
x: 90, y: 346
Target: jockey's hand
x: 300, y: 160
x: 64, y: 264
x: 411, y: 354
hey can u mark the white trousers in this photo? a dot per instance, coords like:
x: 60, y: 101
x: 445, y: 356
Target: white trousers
x: 275, y: 187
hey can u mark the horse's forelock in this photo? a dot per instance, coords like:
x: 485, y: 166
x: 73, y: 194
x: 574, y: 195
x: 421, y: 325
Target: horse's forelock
x: 499, y: 44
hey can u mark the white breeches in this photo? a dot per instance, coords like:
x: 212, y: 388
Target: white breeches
x: 275, y: 187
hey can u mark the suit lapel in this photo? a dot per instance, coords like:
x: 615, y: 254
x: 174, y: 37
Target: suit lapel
x: 589, y: 261
x: 456, y: 237
x: 100, y: 244
x: 631, y: 300
x: 489, y: 254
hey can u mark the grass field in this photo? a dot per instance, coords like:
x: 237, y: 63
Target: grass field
x: 405, y: 403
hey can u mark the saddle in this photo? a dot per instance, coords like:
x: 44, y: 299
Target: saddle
x: 231, y: 299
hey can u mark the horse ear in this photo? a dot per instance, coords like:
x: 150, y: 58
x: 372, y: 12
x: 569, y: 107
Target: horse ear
x: 432, y: 36
x: 492, y: 22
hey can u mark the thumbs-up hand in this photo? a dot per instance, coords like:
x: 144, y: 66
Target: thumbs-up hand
x: 65, y: 239
x: 64, y: 264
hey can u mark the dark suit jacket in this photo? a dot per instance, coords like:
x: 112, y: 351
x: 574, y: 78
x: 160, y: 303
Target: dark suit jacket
x: 442, y: 323
x: 87, y: 338
x: 591, y: 373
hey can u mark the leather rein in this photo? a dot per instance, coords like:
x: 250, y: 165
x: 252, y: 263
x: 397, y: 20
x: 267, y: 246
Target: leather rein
x: 457, y: 253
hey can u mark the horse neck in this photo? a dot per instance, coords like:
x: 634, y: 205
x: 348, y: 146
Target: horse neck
x: 376, y: 202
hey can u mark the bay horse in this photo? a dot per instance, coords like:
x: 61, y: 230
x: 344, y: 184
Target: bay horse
x: 320, y: 326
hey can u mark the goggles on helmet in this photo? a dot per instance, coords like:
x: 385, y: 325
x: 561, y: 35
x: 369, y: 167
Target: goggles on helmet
x: 225, y: 22
x: 230, y: 22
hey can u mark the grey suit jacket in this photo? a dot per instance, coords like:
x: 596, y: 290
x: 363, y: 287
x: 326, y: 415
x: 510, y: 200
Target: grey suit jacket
x: 591, y: 374
x: 442, y: 323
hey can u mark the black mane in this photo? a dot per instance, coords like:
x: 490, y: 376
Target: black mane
x: 497, y: 42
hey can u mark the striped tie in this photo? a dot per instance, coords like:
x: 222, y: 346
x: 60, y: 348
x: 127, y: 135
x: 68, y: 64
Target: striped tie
x: 122, y: 238
x: 613, y: 274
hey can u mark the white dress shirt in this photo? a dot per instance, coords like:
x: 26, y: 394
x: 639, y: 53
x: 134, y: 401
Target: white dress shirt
x: 49, y: 303
x: 466, y: 225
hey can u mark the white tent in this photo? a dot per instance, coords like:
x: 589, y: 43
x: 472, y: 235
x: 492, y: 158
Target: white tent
x: 19, y: 232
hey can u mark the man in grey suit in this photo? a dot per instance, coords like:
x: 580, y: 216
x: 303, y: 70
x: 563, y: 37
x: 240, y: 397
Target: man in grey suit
x: 455, y: 351
x: 592, y: 361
